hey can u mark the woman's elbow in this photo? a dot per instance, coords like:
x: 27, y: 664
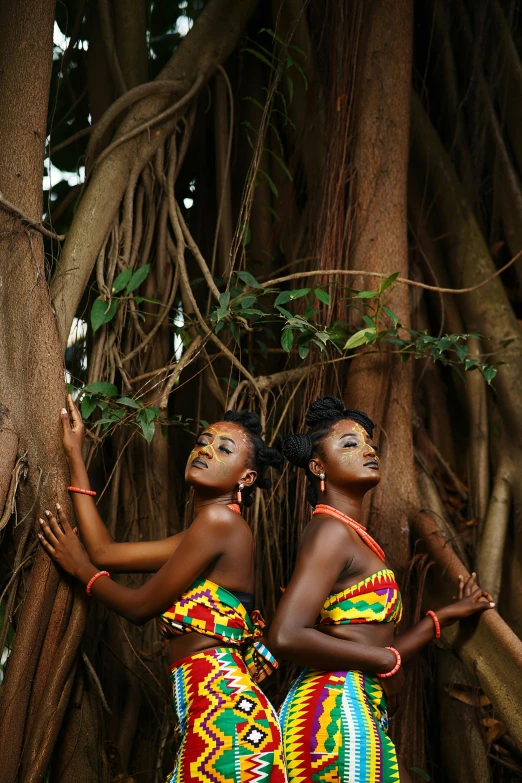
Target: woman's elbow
x: 280, y: 641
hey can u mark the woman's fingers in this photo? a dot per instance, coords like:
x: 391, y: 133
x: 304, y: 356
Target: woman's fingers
x: 53, y: 524
x: 46, y: 545
x: 48, y: 533
x: 74, y: 413
x: 63, y: 519
x: 461, y: 586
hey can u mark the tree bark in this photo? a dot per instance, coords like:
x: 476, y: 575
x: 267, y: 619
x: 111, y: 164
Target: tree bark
x: 31, y: 382
x: 380, y: 384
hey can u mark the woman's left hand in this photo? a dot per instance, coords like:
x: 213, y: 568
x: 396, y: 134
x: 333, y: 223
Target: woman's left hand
x: 63, y: 545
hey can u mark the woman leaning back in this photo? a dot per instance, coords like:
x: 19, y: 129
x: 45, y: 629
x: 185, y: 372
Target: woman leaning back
x: 201, y: 594
x: 337, y: 615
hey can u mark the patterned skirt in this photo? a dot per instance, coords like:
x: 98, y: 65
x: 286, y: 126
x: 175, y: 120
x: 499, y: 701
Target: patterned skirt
x: 335, y: 730
x: 229, y: 730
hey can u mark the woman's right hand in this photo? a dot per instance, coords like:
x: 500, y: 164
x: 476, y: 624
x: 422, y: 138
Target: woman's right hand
x: 472, y: 599
x: 73, y: 431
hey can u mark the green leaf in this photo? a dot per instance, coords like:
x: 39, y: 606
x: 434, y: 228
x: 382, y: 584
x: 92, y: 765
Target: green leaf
x: 224, y: 299
x: 290, y: 86
x: 365, y: 295
x: 420, y: 772
x: 368, y: 321
x: 282, y: 298
x: 246, y: 302
x: 138, y: 277
x: 322, y: 296
x: 248, y: 279
x: 87, y: 406
x: 461, y: 351
x: 271, y: 183
x: 361, y: 337
x: 289, y: 296
x: 130, y: 403
x: 388, y: 282
x: 303, y: 351
x: 489, y: 373
x: 221, y: 314
x: 102, y: 387
x: 282, y: 164
x: 260, y: 57
x: 151, y: 413
x: 101, y: 313
x: 235, y: 331
x: 391, y: 315
x: 287, y: 340
x: 147, y: 429
x: 70, y: 390
x: 121, y: 280
x: 246, y: 235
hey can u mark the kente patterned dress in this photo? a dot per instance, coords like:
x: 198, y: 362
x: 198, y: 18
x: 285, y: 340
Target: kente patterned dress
x: 229, y: 731
x: 334, y: 723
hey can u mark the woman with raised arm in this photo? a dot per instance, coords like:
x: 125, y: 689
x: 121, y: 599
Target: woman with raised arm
x: 201, y: 596
x: 337, y: 616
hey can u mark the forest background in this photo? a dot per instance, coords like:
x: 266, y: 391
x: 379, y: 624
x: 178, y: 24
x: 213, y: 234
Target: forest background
x: 232, y: 193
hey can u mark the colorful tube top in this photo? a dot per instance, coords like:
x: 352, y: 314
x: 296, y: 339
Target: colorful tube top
x: 212, y: 610
x: 374, y: 600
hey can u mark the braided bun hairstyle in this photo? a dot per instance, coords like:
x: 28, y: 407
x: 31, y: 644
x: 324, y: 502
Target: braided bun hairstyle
x: 263, y: 456
x: 322, y: 414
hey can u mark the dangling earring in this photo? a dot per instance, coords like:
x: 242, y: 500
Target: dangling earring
x: 239, y: 497
x: 322, y: 476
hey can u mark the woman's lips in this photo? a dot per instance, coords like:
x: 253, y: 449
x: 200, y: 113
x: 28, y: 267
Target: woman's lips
x: 199, y: 462
x: 372, y: 463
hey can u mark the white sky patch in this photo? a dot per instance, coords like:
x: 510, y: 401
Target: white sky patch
x: 183, y: 24
x: 55, y: 175
x: 188, y: 202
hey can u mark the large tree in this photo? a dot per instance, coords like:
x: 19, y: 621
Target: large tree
x: 243, y: 169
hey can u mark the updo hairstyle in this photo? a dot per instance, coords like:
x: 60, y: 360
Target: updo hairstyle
x: 322, y: 414
x: 263, y: 456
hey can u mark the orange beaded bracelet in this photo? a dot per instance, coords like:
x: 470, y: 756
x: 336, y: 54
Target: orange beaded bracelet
x: 94, y: 578
x: 395, y: 668
x: 82, y: 491
x: 435, y: 619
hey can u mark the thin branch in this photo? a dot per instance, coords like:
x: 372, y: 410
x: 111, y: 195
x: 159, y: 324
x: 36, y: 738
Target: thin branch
x: 78, y: 135
x: 319, y: 272
x: 124, y: 102
x: 32, y: 223
x: 96, y: 680
x: 192, y: 351
x: 153, y: 121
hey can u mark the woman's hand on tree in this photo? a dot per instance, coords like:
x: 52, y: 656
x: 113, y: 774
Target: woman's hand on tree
x: 472, y: 599
x: 63, y: 545
x: 73, y: 431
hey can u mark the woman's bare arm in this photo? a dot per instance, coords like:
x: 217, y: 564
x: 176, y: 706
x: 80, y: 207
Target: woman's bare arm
x: 208, y: 537
x: 324, y: 551
x: 104, y: 552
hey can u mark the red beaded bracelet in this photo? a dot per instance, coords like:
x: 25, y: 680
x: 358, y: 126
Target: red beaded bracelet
x: 94, y: 578
x: 435, y: 619
x: 395, y: 668
x: 82, y: 491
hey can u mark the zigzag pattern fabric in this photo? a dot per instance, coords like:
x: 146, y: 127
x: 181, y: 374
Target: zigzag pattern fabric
x: 212, y: 610
x: 335, y: 730
x: 374, y: 600
x: 230, y: 730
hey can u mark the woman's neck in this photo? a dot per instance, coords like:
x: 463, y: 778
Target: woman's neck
x: 201, y: 502
x: 348, y: 504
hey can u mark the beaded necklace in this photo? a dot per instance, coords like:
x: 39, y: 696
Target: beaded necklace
x: 322, y: 508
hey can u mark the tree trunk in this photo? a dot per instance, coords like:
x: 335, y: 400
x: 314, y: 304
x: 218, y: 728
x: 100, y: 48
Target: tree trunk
x: 31, y: 382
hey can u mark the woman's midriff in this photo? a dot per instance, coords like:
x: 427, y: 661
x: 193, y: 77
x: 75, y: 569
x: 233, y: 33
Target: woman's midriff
x: 190, y: 643
x: 374, y: 634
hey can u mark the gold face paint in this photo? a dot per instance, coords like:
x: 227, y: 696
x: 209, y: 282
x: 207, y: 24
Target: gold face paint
x: 209, y: 448
x: 348, y: 455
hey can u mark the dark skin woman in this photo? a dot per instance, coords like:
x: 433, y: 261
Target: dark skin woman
x: 201, y: 591
x: 341, y: 578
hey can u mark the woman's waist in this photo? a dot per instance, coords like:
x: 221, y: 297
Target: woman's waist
x: 188, y: 644
x: 375, y: 634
